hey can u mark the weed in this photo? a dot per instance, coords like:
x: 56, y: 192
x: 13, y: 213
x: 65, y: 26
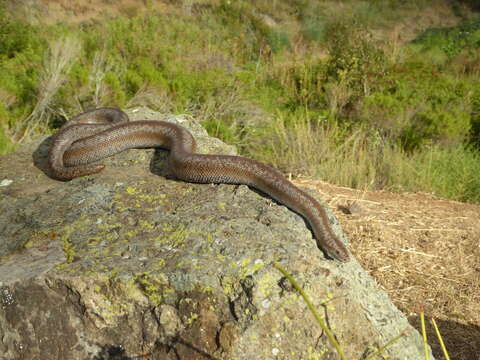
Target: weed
x: 56, y: 66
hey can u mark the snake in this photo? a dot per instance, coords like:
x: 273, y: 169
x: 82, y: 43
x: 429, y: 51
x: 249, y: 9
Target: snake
x: 96, y: 134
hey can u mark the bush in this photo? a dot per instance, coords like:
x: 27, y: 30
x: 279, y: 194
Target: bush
x: 16, y: 37
x: 452, y: 40
x: 421, y: 108
x: 352, y: 117
x: 475, y: 118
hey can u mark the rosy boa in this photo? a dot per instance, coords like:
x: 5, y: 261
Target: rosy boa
x: 103, y: 132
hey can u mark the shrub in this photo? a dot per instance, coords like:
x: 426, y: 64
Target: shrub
x: 16, y: 36
x: 475, y: 118
x: 352, y: 117
x: 419, y: 107
x: 355, y: 63
x: 452, y: 40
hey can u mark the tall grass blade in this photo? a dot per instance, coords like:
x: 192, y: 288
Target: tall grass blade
x: 312, y: 309
x: 424, y: 334
x: 440, y: 340
x: 382, y: 348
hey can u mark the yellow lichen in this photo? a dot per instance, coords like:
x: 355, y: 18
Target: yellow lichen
x: 130, y: 190
x: 175, y: 238
x: 191, y: 319
x: 146, y: 224
x: 266, y: 284
x: 152, y: 288
x: 131, y: 233
x: 249, y: 270
x: 245, y: 262
x: 228, y: 285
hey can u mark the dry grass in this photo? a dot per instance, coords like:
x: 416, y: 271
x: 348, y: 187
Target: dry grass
x: 424, y: 252
x: 57, y: 63
x: 317, y: 148
x: 362, y: 158
x: 152, y: 97
x: 99, y: 68
x: 228, y: 104
x: 55, y: 11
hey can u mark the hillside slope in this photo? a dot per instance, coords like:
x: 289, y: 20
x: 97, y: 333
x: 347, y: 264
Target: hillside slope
x: 335, y: 90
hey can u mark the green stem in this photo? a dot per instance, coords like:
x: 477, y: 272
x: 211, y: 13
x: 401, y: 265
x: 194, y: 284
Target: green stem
x: 440, y: 340
x: 319, y: 319
x: 424, y: 333
x: 382, y: 348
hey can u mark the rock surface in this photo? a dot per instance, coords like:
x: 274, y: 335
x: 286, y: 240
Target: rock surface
x: 129, y: 263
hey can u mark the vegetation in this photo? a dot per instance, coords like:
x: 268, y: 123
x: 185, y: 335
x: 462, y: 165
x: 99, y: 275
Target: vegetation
x: 298, y: 84
x: 371, y: 354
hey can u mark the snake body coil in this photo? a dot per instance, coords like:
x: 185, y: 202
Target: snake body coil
x: 103, y: 132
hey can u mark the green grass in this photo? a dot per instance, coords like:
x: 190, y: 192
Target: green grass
x: 258, y: 75
x: 451, y: 40
x: 377, y: 352
x: 446, y: 172
x: 364, y: 159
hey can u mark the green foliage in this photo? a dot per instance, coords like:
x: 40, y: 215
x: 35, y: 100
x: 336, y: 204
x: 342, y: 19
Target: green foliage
x: 117, y: 94
x: 447, y: 172
x: 20, y: 54
x: 301, y: 84
x: 313, y: 22
x: 451, y: 41
x: 420, y: 108
x: 16, y: 36
x: 475, y: 118
x: 317, y: 16
x: 5, y: 143
x: 258, y: 76
x: 354, y: 59
x: 278, y: 40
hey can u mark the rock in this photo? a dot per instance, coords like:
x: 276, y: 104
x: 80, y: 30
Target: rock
x: 129, y: 263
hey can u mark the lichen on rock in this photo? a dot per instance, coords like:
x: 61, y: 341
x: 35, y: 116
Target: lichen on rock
x: 132, y: 263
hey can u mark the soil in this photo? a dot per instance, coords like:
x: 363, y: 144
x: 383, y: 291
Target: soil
x: 424, y: 251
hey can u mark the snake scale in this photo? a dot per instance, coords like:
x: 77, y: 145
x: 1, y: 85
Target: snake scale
x: 99, y: 133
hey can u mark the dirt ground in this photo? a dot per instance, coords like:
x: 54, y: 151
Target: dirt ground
x: 424, y: 251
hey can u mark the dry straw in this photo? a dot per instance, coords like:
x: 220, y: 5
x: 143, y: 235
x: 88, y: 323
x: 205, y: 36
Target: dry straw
x: 57, y: 63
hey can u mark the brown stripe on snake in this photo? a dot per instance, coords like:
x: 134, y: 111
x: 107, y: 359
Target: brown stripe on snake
x: 100, y: 133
